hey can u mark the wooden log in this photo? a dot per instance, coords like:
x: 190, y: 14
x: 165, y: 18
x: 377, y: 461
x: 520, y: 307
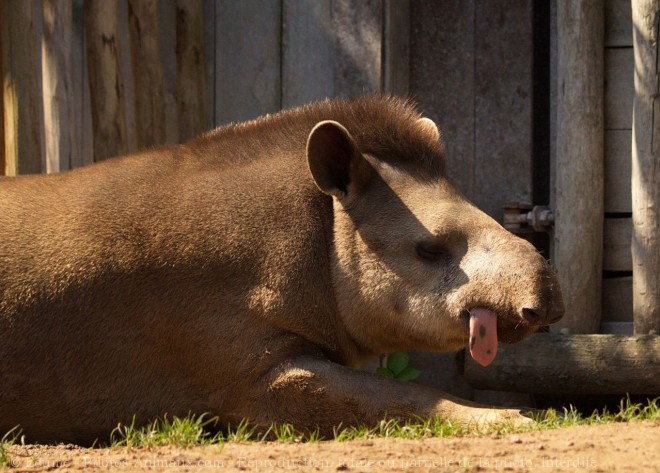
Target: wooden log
x: 61, y: 134
x: 575, y: 364
x: 147, y: 72
x: 190, y: 71
x: 22, y: 101
x: 106, y: 81
x: 646, y: 169
x: 247, y: 55
x: 579, y: 208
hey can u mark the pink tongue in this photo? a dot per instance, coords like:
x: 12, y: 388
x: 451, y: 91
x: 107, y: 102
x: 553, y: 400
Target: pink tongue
x: 483, y: 336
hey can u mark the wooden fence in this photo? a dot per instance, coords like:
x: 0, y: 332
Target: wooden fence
x: 87, y: 80
x: 84, y: 80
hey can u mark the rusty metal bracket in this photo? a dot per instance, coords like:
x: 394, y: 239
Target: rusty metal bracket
x: 525, y: 218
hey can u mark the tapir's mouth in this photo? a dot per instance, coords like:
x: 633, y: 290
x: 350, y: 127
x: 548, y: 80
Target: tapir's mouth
x: 486, y: 328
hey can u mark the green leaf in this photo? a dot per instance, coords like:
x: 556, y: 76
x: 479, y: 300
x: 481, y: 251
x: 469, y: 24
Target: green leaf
x: 408, y: 374
x: 397, y: 362
x: 384, y: 372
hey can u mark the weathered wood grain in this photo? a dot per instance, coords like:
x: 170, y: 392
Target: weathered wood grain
x: 60, y: 124
x: 617, y: 299
x: 330, y: 48
x: 616, y: 244
x: 147, y: 72
x: 618, y: 23
x: 575, y: 364
x: 579, y: 201
x: 2, y: 113
x: 396, y: 46
x: 190, y: 70
x: 503, y: 87
x: 22, y: 101
x: 442, y: 81
x: 108, y: 95
x: 84, y: 153
x: 619, y: 88
x: 646, y: 169
x: 247, y: 55
x: 617, y: 171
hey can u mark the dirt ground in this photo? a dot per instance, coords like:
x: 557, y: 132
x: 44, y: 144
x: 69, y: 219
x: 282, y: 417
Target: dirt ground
x: 630, y: 447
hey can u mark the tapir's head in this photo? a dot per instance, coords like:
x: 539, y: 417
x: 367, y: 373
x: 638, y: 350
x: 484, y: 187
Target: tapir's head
x: 416, y: 265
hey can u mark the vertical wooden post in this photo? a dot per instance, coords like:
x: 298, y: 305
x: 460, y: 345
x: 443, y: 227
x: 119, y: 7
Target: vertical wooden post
x: 579, y: 208
x: 105, y: 79
x: 61, y: 136
x: 191, y: 74
x: 147, y: 72
x: 646, y: 168
x: 21, y: 89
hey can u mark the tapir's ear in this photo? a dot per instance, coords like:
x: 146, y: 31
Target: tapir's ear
x: 429, y: 128
x: 334, y: 159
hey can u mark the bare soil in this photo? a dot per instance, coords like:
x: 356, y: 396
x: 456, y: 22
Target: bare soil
x: 617, y: 447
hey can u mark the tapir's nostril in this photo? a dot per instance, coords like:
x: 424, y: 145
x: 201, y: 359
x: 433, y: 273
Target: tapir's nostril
x: 532, y: 316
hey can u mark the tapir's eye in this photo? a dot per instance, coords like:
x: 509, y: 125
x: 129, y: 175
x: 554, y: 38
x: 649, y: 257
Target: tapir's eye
x: 431, y: 251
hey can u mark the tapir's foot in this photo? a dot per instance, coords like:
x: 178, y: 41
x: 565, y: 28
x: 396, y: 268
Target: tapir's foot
x: 493, y: 418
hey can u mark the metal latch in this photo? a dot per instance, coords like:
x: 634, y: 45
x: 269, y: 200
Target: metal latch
x: 522, y: 217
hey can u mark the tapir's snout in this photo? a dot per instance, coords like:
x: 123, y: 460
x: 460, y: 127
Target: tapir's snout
x: 544, y: 315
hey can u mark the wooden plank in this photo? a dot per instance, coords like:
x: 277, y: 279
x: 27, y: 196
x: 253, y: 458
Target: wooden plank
x: 617, y: 299
x: 442, y: 81
x: 108, y: 95
x: 503, y: 105
x: 61, y: 134
x: 575, y: 364
x: 618, y: 149
x: 147, y: 72
x: 167, y: 19
x: 616, y: 248
x: 2, y: 110
x: 330, y: 48
x: 619, y: 88
x: 396, y: 46
x: 579, y: 201
x: 209, y: 8
x: 645, y: 170
x: 618, y: 23
x: 191, y: 76
x: 84, y: 144
x: 247, y: 54
x: 307, y: 52
x: 357, y: 29
x: 23, y: 101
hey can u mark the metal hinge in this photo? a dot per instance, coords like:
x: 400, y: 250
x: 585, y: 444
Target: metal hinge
x: 522, y: 217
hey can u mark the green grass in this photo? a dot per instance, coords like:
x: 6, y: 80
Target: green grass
x: 6, y: 442
x: 196, y: 430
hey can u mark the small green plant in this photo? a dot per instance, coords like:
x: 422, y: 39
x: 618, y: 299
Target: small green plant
x: 6, y: 442
x: 398, y: 367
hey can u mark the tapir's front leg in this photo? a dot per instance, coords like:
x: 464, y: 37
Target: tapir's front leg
x: 313, y: 393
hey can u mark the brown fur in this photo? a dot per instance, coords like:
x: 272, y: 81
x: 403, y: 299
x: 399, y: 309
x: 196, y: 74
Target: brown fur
x: 216, y: 276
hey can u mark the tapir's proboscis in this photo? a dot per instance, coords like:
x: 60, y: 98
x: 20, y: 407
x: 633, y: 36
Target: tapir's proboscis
x: 248, y: 273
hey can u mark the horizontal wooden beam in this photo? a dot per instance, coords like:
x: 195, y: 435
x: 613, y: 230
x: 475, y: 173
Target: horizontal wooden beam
x: 575, y: 364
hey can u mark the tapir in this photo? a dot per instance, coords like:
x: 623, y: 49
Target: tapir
x: 248, y: 273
